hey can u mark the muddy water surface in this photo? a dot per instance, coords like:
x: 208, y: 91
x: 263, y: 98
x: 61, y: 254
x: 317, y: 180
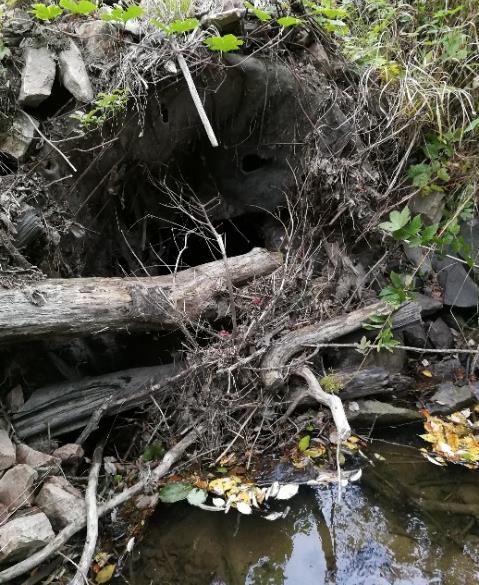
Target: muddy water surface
x: 367, y: 539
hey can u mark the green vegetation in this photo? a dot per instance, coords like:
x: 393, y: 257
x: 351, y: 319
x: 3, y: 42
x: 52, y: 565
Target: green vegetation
x: 331, y: 383
x: 105, y: 107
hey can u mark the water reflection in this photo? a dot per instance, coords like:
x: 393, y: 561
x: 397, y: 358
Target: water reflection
x: 365, y: 540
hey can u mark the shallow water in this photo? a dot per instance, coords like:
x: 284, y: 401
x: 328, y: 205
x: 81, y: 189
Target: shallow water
x: 367, y: 539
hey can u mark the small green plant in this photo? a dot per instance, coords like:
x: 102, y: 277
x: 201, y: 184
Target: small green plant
x: 105, y: 107
x: 180, y: 26
x: 46, y: 12
x: 82, y: 7
x: 260, y: 14
x: 330, y: 17
x: 224, y: 44
x: 153, y: 452
x: 398, y: 291
x: 119, y: 14
x: 331, y: 383
x: 384, y: 339
x: 287, y: 21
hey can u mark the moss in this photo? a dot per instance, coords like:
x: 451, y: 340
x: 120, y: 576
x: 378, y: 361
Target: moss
x: 331, y: 383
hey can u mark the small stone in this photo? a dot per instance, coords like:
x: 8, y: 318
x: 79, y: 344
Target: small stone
x: 16, y: 486
x: 430, y: 206
x: 61, y: 502
x: 99, y: 41
x: 21, y: 537
x: 450, y: 398
x: 38, y: 76
x: 17, y: 140
x: 440, y: 335
x: 69, y: 454
x: 418, y: 257
x: 73, y: 74
x: 7, y: 451
x: 459, y: 290
x: 415, y: 335
x: 36, y: 459
x: 380, y: 413
x: 428, y: 305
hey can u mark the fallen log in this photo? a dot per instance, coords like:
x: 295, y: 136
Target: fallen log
x: 67, y: 406
x: 275, y: 361
x: 91, y: 305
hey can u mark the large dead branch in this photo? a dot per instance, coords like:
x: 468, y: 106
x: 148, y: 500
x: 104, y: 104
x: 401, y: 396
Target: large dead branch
x: 276, y: 360
x: 90, y: 305
x: 67, y: 406
x: 70, y: 530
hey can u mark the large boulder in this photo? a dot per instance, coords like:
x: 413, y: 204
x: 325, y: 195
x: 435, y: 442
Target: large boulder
x: 16, y: 486
x: 38, y: 76
x: 21, y: 537
x: 61, y: 502
x: 7, y: 451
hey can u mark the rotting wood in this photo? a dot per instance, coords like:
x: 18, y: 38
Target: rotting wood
x: 34, y: 560
x: 276, y: 360
x: 63, y: 407
x: 92, y: 305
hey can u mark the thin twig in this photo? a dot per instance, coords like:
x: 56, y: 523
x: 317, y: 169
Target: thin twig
x: 196, y: 98
x: 92, y: 518
x: 35, y: 125
x: 94, y: 421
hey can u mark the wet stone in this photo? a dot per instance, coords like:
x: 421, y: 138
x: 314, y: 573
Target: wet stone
x: 450, y: 398
x: 370, y: 412
x: 440, y: 335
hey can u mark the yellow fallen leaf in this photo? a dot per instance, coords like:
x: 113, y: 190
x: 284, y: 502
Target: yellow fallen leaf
x: 427, y: 373
x: 105, y: 574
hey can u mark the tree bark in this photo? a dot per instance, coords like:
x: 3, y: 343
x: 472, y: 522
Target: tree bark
x: 91, y: 305
x: 67, y: 406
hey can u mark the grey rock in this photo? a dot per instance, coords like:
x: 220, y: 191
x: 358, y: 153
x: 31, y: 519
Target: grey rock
x: 428, y: 304
x: 36, y: 459
x: 73, y: 74
x: 69, y: 453
x: 440, y: 335
x: 419, y: 258
x: 99, y: 40
x: 369, y: 412
x: 447, y: 369
x: 450, y: 398
x: 459, y: 290
x: 38, y: 76
x: 17, y: 140
x: 16, y: 486
x: 430, y: 207
x: 22, y: 536
x: 470, y: 234
x: 7, y: 451
x: 223, y: 21
x: 415, y: 335
x: 61, y: 502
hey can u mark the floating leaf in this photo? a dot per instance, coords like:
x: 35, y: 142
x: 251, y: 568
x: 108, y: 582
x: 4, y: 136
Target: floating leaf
x: 196, y: 497
x: 273, y: 516
x: 105, y: 574
x: 287, y: 491
x: 243, y: 508
x: 175, y: 492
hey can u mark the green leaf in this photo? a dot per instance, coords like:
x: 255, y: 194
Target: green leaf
x: 429, y: 232
x: 183, y: 26
x: 287, y: 21
x: 81, y: 7
x: 118, y: 14
x: 472, y: 126
x: 225, y: 43
x: 420, y: 174
x: 260, y: 14
x: 46, y: 13
x: 397, y: 220
x: 304, y: 442
x: 174, y: 492
x: 197, y: 497
x: 442, y: 174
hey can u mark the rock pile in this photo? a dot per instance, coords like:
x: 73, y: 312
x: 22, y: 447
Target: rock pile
x: 35, y: 500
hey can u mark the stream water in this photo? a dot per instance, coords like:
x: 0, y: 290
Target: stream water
x: 366, y: 539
